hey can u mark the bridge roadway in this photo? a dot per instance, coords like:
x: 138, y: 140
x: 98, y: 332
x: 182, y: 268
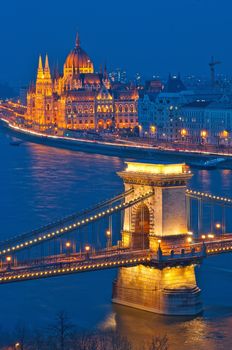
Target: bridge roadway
x: 113, y: 257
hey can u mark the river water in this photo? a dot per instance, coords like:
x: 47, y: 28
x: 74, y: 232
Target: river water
x: 38, y: 183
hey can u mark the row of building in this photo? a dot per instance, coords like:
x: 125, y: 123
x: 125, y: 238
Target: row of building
x: 178, y: 114
x: 81, y: 98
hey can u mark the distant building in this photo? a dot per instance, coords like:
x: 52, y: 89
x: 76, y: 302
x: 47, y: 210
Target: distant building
x: 153, y: 86
x: 118, y: 76
x: 168, y: 102
x: 80, y: 98
x: 147, y: 116
x: 208, y: 121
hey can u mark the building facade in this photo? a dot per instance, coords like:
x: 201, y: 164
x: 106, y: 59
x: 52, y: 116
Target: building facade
x: 80, y: 98
x: 208, y: 121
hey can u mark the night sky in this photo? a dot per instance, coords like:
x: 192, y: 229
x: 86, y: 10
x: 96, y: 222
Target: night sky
x: 149, y: 36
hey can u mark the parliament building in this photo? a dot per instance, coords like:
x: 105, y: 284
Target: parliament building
x: 80, y: 98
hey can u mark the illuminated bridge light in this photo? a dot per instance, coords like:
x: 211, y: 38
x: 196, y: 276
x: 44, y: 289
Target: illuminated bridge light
x: 57, y: 231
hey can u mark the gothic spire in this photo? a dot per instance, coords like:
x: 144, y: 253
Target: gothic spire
x: 40, y: 71
x: 47, y: 73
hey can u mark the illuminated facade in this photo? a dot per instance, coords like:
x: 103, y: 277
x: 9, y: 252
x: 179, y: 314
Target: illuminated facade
x: 80, y: 98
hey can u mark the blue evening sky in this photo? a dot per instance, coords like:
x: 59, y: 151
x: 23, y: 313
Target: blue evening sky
x: 147, y: 36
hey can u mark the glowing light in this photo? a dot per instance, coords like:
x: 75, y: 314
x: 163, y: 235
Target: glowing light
x: 67, y: 244
x: 183, y: 132
x: 155, y: 168
x: 218, y: 225
x: 203, y: 133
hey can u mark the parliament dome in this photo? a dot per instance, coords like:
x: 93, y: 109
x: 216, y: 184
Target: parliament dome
x: 78, y: 61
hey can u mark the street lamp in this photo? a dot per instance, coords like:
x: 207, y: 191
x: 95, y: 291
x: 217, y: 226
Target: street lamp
x: 183, y: 133
x: 67, y: 244
x: 68, y: 247
x: 203, y: 135
x: 9, y: 259
x: 87, y: 250
x: 109, y: 237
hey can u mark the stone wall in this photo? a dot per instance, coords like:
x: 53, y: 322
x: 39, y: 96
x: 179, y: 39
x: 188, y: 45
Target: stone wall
x: 171, y: 291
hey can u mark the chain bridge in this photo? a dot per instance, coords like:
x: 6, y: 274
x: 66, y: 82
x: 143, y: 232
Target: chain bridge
x: 156, y: 232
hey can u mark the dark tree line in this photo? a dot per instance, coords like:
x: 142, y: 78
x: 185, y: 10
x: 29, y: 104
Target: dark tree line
x: 63, y: 335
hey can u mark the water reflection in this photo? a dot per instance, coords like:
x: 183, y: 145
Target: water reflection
x: 182, y: 332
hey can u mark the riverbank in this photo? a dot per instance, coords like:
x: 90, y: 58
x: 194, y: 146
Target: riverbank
x: 110, y: 148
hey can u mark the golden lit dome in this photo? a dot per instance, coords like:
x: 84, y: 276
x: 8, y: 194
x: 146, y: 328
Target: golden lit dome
x: 78, y: 61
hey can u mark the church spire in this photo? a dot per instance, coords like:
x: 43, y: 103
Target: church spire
x: 47, y: 73
x: 77, y: 40
x: 40, y: 72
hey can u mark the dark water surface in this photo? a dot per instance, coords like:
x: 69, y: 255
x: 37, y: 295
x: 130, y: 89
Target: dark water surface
x: 39, y: 183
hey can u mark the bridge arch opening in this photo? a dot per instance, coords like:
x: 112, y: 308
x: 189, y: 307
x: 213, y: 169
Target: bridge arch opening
x: 142, y: 227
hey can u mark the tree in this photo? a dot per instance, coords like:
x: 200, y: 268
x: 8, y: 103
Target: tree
x: 62, y: 330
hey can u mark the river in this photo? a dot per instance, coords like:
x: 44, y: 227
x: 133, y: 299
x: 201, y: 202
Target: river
x: 39, y: 183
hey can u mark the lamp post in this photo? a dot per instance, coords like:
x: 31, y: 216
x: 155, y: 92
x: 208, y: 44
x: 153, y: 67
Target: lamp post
x: 109, y: 238
x: 203, y: 135
x: 184, y: 134
x: 218, y: 227
x: 9, y: 262
x: 87, y: 251
x: 68, y: 248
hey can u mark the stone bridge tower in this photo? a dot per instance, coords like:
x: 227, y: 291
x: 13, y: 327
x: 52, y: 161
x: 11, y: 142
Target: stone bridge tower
x: 160, y: 221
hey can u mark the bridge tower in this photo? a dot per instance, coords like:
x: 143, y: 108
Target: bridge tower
x: 158, y: 224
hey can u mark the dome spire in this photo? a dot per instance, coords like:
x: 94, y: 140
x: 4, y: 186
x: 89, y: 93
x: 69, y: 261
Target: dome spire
x: 77, y: 40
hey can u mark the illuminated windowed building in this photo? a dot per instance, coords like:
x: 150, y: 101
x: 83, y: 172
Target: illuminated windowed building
x: 80, y: 98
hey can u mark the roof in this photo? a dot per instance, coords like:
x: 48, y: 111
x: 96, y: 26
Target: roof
x: 174, y: 84
x: 197, y: 104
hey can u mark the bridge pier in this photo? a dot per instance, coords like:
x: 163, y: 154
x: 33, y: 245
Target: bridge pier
x: 169, y: 291
x: 160, y: 220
